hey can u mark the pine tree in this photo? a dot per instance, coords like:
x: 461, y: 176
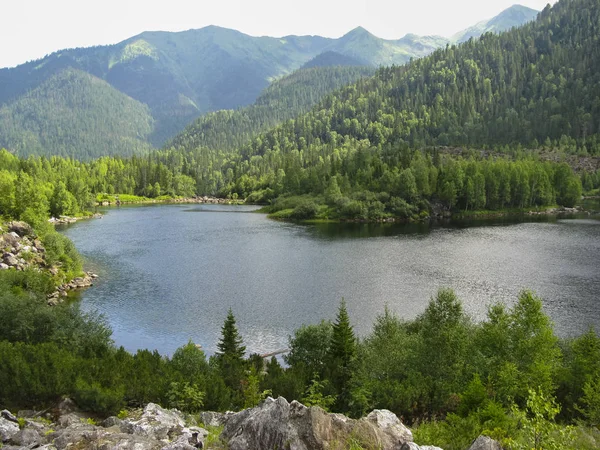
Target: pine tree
x: 231, y: 342
x: 230, y: 357
x: 342, y: 354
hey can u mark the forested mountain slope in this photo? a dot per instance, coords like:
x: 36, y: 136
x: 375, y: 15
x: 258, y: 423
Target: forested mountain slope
x: 180, y: 76
x: 532, y: 86
x: 284, y: 99
x: 75, y: 113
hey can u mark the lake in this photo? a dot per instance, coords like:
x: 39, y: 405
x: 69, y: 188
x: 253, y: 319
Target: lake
x: 169, y: 273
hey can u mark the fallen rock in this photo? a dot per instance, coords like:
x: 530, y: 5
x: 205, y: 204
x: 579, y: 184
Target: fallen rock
x: 27, y: 437
x: 155, y: 423
x: 21, y: 228
x: 8, y: 416
x: 8, y: 429
x: 279, y: 424
x: 485, y: 443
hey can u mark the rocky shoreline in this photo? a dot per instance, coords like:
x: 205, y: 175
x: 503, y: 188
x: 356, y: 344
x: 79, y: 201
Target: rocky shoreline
x: 273, y: 424
x: 199, y: 199
x: 21, y: 249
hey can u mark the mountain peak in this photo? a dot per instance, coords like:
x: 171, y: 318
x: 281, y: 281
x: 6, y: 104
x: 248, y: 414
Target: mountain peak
x: 358, y: 32
x: 514, y: 16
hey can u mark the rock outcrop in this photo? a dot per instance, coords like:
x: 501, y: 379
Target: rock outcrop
x: 279, y: 424
x: 20, y: 249
x: 485, y: 443
x: 155, y: 429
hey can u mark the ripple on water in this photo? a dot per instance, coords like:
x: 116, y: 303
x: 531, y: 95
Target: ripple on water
x: 170, y: 272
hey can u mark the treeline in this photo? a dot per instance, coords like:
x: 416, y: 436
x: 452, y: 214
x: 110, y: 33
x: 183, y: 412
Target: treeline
x: 508, y: 376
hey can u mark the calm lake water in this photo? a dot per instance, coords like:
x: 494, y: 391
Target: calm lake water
x: 169, y: 273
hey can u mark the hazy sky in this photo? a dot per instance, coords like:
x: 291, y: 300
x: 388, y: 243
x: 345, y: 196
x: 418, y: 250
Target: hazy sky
x: 30, y: 29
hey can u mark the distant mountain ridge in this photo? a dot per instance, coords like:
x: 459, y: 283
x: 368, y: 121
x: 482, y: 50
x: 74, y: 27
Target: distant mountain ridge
x: 179, y: 76
x: 514, y: 16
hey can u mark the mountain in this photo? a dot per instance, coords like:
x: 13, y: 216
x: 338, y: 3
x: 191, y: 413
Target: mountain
x: 537, y: 86
x: 331, y: 58
x: 514, y: 16
x: 180, y: 76
x: 284, y: 99
x: 88, y: 113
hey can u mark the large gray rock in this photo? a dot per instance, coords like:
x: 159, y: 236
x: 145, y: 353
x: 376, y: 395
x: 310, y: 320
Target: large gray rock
x: 28, y: 437
x: 485, y: 443
x: 21, y: 228
x: 8, y: 429
x: 279, y: 424
x: 155, y: 423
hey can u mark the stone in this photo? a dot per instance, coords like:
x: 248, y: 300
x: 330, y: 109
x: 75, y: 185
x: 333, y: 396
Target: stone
x: 155, y: 423
x: 8, y: 415
x: 10, y: 259
x: 279, y: 424
x: 27, y: 437
x: 413, y: 446
x: 215, y: 419
x: 485, y: 443
x: 21, y: 228
x: 112, y: 421
x: 388, y: 421
x: 4, y: 266
x: 8, y: 429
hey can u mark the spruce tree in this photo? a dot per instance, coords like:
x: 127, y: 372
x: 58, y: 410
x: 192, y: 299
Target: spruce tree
x: 342, y: 354
x: 230, y: 357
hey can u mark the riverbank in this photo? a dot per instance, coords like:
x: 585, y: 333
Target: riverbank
x: 437, y: 214
x: 21, y: 249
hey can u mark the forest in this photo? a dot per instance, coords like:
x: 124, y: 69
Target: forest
x: 514, y: 105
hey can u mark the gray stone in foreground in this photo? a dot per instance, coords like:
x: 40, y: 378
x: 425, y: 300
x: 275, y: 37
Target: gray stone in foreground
x: 279, y: 424
x: 7, y: 429
x: 485, y: 443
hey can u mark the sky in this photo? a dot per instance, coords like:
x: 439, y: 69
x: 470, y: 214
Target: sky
x: 31, y: 29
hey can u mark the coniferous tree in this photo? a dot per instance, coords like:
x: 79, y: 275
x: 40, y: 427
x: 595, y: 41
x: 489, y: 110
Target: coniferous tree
x: 230, y: 357
x: 342, y: 354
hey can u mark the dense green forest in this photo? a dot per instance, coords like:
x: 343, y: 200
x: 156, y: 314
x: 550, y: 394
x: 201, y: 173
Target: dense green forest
x: 284, y: 99
x: 75, y: 113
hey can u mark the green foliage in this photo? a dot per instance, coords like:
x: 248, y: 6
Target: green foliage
x: 314, y: 395
x: 590, y: 402
x: 186, y: 397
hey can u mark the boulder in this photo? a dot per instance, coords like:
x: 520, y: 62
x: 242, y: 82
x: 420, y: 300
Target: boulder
x: 10, y: 259
x: 8, y: 416
x: 112, y: 421
x: 485, y: 443
x: 8, y: 429
x: 21, y: 228
x: 27, y: 437
x: 215, y: 419
x: 155, y: 423
x: 279, y: 424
